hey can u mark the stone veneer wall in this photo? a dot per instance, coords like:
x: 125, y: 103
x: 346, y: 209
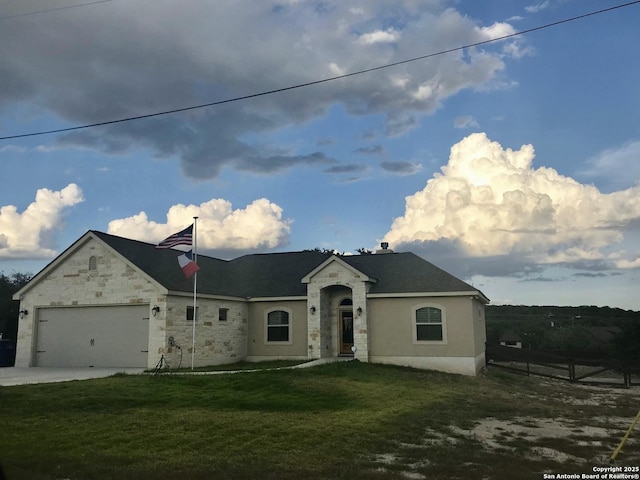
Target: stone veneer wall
x: 217, y: 342
x: 320, y: 328
x: 70, y: 284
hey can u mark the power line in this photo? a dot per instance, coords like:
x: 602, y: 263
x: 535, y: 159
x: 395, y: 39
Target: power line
x: 317, y: 82
x: 53, y: 9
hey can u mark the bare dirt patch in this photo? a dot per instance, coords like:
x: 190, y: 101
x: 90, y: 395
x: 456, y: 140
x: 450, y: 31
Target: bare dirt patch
x: 578, y: 427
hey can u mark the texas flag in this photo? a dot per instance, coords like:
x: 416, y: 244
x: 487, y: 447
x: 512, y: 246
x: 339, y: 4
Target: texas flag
x: 188, y: 266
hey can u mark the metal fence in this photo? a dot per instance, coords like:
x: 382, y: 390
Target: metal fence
x: 572, y: 368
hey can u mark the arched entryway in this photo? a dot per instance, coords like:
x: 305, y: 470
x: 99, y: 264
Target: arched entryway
x: 337, y: 306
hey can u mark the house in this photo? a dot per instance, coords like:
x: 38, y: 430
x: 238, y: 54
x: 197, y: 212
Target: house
x: 113, y: 302
x: 510, y: 339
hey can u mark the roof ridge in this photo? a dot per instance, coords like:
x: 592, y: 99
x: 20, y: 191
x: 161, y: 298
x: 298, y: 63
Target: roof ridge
x: 141, y: 242
x: 120, y: 237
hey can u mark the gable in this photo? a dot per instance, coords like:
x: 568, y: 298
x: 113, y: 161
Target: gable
x: 335, y: 268
x: 87, y: 271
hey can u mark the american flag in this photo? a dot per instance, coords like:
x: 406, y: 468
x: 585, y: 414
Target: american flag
x: 185, y: 237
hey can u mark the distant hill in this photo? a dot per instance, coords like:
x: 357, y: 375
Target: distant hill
x: 591, y: 329
x: 586, y: 314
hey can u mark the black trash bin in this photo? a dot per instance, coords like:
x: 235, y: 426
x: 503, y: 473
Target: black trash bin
x: 7, y: 353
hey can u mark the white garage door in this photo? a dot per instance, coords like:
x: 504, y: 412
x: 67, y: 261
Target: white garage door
x: 93, y: 336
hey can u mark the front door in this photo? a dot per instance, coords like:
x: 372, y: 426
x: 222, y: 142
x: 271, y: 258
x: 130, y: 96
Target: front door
x: 346, y: 332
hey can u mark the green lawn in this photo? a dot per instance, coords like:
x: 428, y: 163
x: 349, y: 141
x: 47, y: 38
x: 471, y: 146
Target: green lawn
x: 345, y: 420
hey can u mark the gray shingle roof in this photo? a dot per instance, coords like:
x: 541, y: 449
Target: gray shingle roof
x: 162, y: 265
x: 405, y: 272
x: 280, y: 274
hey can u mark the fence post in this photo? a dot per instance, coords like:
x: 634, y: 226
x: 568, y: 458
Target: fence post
x: 486, y: 357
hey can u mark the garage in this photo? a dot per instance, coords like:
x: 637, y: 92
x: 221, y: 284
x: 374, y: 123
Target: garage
x: 96, y: 336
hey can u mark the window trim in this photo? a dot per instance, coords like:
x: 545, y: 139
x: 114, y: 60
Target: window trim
x: 414, y: 324
x: 266, y: 326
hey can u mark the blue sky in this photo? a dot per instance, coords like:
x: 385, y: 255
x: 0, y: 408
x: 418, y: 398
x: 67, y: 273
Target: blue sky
x: 514, y: 164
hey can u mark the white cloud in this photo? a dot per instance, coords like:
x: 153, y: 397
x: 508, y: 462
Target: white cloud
x: 26, y: 150
x: 535, y: 8
x: 497, y: 30
x: 625, y: 263
x: 466, y: 121
x: 514, y: 47
x: 489, y: 202
x: 28, y: 234
x: 615, y: 167
x: 258, y: 226
x: 379, y: 36
x: 399, y: 81
x: 335, y: 69
x: 12, y: 149
x: 517, y: 49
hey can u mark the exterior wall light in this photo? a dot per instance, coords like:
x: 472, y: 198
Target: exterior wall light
x: 23, y: 312
x: 155, y: 310
x: 359, y: 311
x: 312, y: 310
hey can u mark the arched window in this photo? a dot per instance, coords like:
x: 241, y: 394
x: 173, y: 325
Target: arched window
x: 346, y: 302
x: 278, y: 326
x: 93, y: 263
x: 429, y: 324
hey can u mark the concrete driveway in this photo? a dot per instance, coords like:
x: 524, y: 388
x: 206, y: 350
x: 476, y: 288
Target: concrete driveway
x: 10, y: 376
x: 22, y: 376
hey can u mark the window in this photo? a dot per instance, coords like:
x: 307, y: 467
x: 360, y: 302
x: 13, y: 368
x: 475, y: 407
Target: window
x: 93, y: 263
x: 429, y: 325
x: 222, y: 314
x: 278, y: 326
x: 190, y: 314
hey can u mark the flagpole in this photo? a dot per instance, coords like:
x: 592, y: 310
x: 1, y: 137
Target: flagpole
x: 195, y: 290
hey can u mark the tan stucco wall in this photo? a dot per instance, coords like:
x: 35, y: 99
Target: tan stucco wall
x: 257, y: 346
x: 391, y: 324
x: 72, y: 284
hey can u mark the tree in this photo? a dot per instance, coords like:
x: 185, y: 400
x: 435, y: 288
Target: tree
x: 626, y: 346
x: 10, y: 284
x: 329, y: 251
x: 325, y: 251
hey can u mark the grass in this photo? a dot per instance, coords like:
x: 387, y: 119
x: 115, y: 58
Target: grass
x: 344, y: 420
x: 267, y: 365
